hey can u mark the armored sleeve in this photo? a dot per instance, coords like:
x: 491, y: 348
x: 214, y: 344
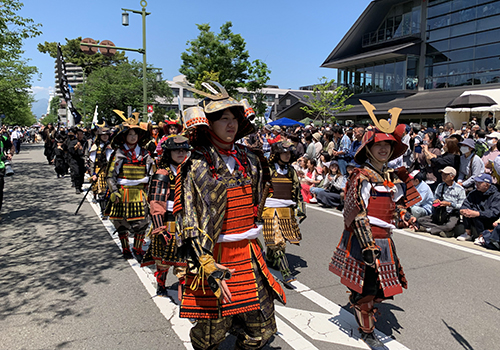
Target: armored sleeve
x: 159, y: 191
x: 113, y: 171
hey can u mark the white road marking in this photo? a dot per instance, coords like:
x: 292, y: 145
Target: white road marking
x: 424, y: 238
x: 170, y: 310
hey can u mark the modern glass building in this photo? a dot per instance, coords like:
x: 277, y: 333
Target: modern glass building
x: 420, y: 54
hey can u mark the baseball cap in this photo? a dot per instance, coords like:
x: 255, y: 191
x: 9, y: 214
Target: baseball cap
x: 449, y: 170
x: 483, y: 178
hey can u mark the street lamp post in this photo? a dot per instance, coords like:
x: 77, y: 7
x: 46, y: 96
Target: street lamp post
x: 144, y: 65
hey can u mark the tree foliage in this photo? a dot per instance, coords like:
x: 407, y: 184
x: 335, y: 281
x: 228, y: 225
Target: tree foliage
x: 117, y: 87
x: 15, y: 73
x: 325, y: 101
x: 223, y: 58
x: 72, y: 53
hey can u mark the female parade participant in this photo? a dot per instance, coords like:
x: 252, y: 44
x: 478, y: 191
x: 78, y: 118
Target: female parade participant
x: 98, y: 158
x: 127, y: 178
x: 278, y: 214
x: 162, y: 250
x: 365, y: 257
x: 228, y: 285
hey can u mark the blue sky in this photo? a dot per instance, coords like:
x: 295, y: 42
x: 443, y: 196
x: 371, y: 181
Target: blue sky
x: 292, y: 37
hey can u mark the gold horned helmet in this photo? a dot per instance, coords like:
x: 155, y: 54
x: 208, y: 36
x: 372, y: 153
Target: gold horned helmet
x: 129, y: 121
x: 383, y: 125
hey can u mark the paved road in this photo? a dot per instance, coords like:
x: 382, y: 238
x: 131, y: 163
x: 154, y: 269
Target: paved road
x: 63, y: 284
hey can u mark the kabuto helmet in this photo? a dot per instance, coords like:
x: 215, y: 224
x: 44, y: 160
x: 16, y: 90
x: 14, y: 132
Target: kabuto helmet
x: 282, y: 147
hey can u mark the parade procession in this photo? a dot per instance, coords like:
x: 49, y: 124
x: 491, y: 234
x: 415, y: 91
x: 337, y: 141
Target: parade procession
x: 218, y: 211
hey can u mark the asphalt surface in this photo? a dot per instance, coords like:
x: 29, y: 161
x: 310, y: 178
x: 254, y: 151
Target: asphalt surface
x: 63, y: 284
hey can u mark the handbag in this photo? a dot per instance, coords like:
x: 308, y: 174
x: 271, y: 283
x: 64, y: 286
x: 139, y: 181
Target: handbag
x: 440, y: 215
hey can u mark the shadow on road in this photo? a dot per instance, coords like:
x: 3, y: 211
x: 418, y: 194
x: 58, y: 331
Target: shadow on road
x: 48, y: 254
x: 458, y: 337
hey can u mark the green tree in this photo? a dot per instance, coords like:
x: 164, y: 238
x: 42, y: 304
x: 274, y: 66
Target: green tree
x: 325, y: 101
x: 223, y: 58
x: 117, y: 87
x: 15, y: 73
x: 72, y: 53
x: 52, y: 116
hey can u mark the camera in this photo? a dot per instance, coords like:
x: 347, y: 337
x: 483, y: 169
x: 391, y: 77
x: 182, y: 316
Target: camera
x: 8, y: 169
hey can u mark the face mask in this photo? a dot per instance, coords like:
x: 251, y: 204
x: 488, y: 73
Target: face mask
x: 426, y: 142
x: 464, y: 149
x: 491, y: 143
x: 446, y: 133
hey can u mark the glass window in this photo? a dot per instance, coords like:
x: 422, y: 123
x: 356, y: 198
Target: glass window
x: 398, y: 26
x: 399, y: 74
x: 439, y: 70
x: 460, y: 4
x: 460, y: 68
x: 462, y: 41
x: 187, y: 93
x: 175, y: 91
x: 461, y: 55
x: 488, y: 37
x: 488, y: 23
x: 460, y: 80
x: 389, y: 77
x: 439, y: 9
x: 488, y: 77
x: 378, y: 80
x: 487, y: 64
x: 270, y: 97
x: 407, y: 23
x: 369, y: 79
x: 439, y: 83
x: 439, y: 34
x: 488, y: 50
x: 463, y: 16
x: 389, y: 28
x: 436, y: 58
x: 464, y: 28
x: 438, y: 46
x: 438, y: 22
x: 488, y: 10
x: 415, y: 20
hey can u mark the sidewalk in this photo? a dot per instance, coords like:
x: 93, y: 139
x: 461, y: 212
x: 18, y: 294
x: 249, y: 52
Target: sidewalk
x: 63, y: 283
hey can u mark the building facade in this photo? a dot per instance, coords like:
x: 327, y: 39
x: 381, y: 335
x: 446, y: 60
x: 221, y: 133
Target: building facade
x: 419, y: 55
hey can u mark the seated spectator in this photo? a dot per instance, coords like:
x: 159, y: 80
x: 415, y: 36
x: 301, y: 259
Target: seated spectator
x: 448, y: 194
x: 325, y: 181
x: 471, y: 165
x: 309, y: 179
x: 424, y: 207
x: 481, y: 208
x: 490, y: 238
x: 333, y: 196
x: 492, y: 153
x: 299, y: 146
x: 300, y: 166
x: 310, y: 149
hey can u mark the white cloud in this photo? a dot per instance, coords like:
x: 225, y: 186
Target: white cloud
x: 42, y: 91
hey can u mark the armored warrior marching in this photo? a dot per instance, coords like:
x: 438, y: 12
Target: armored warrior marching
x: 163, y: 249
x: 282, y: 199
x: 127, y: 178
x: 365, y: 258
x: 98, y: 158
x: 228, y: 285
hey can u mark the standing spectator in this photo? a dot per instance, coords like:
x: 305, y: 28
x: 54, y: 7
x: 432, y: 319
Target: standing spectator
x: 493, y: 152
x: 310, y: 149
x: 16, y: 138
x: 276, y: 135
x: 318, y: 146
x: 266, y: 147
x: 489, y: 119
x: 299, y: 146
x: 481, y: 208
x: 343, y: 148
x: 470, y: 164
x: 450, y: 157
x: 448, y: 194
x: 358, y: 133
x: 6, y: 151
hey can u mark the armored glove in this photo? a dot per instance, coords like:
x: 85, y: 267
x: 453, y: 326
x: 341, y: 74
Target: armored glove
x: 371, y: 254
x: 114, y: 196
x: 214, y: 275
